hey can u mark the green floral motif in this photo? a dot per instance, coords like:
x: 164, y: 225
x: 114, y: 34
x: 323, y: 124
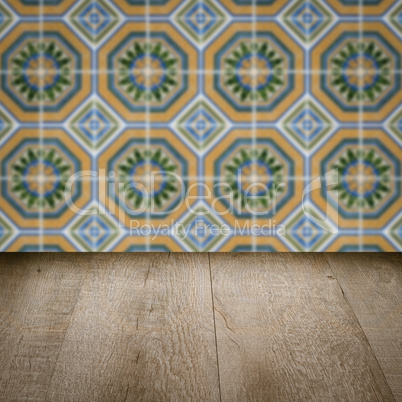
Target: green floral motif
x: 360, y: 71
x: 254, y: 177
x: 147, y: 176
x: 254, y: 71
x: 41, y: 71
x: 40, y: 177
x: 147, y: 72
x: 363, y: 178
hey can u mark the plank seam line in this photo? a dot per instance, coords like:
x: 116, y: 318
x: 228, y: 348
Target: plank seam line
x: 213, y: 313
x: 358, y: 323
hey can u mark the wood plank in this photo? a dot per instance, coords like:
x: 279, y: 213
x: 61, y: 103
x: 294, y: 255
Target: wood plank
x: 38, y: 293
x: 285, y: 332
x: 142, y: 329
x: 373, y: 286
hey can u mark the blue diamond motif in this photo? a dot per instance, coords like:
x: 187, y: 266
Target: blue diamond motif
x: 201, y: 124
x: 304, y: 234
x: 5, y: 18
x: 94, y: 124
x: 399, y: 125
x: 199, y: 232
x: 200, y: 229
x: 396, y: 232
x: 200, y: 19
x: 307, y: 19
x: 94, y: 19
x: 307, y: 233
x: 5, y: 124
x: 5, y: 232
x: 308, y: 125
x: 94, y: 233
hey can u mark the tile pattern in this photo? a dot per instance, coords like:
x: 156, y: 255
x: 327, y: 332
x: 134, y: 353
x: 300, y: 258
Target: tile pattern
x: 200, y: 125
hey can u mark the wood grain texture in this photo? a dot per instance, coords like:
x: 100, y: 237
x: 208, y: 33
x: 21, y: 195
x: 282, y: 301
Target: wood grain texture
x: 142, y: 329
x: 117, y: 327
x: 37, y: 298
x: 285, y: 332
x: 373, y: 286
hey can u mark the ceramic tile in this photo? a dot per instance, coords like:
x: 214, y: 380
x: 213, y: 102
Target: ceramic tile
x: 200, y: 125
x: 346, y: 8
x: 35, y: 243
x: 94, y: 19
x: 7, y: 230
x: 365, y: 243
x: 369, y: 168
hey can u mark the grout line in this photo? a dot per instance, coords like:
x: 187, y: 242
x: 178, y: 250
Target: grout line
x: 196, y: 72
x: 214, y: 317
x: 199, y: 3
x: 307, y: 96
x: 148, y: 116
x: 93, y: 111
x: 155, y: 18
x: 254, y: 107
x: 360, y: 127
x: 41, y: 131
x: 228, y: 126
x: 199, y: 92
x: 194, y: 178
x: 253, y: 20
